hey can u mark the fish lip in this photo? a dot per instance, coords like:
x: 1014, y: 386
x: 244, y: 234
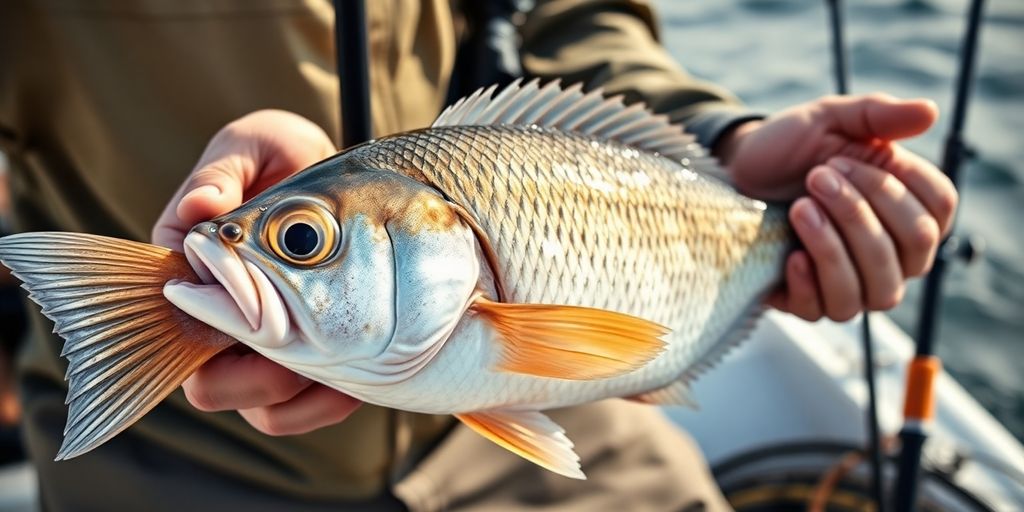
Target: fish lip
x: 301, y: 325
x: 216, y: 264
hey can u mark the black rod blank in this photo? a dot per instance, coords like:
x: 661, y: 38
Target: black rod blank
x: 840, y: 69
x: 913, y: 434
x: 352, y: 56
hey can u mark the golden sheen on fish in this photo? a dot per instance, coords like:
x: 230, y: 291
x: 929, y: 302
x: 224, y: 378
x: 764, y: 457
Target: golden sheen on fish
x: 533, y: 249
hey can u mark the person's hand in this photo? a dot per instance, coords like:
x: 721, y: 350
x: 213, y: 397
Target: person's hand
x: 872, y: 213
x: 242, y: 159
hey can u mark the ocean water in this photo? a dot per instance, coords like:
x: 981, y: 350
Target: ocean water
x: 776, y: 53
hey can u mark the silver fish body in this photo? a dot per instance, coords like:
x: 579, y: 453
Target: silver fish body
x: 533, y: 249
x: 577, y: 221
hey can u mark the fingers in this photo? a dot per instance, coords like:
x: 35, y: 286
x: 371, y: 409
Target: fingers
x: 213, y: 188
x: 928, y: 184
x: 315, y: 407
x: 878, y: 116
x: 233, y: 380
x: 216, y: 186
x: 800, y: 295
x: 911, y: 226
x: 244, y: 158
x: 864, y: 237
x: 275, y: 400
x: 838, y: 285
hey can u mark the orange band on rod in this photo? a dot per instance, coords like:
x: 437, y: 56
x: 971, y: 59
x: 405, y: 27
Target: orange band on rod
x: 920, y: 398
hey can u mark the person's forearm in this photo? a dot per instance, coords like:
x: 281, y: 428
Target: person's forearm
x: 729, y: 140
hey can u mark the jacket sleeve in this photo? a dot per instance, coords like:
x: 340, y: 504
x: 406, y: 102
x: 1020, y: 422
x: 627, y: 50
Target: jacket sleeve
x: 614, y: 44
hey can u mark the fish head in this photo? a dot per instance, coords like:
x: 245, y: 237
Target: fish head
x: 335, y: 267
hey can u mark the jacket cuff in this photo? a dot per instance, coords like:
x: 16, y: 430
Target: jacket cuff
x: 713, y: 121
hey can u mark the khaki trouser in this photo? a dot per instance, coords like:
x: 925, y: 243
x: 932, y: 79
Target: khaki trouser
x: 634, y: 459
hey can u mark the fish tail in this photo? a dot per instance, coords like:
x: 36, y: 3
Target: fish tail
x: 127, y: 347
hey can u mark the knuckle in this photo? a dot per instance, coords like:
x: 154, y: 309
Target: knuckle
x: 888, y: 300
x: 947, y: 202
x: 845, y: 307
x: 200, y: 398
x: 268, y: 423
x: 881, y: 254
x: 227, y: 165
x: 809, y: 314
x: 276, y: 392
x: 878, y: 97
x: 829, y: 250
x: 924, y: 236
x: 877, y: 184
x: 810, y: 317
x: 831, y: 99
x: 852, y: 209
x: 922, y: 267
x: 843, y: 314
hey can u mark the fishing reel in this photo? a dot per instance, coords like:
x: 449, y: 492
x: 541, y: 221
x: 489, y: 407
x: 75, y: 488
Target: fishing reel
x: 965, y: 249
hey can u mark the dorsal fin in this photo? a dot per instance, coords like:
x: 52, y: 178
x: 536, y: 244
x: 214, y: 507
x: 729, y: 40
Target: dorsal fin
x: 571, y: 110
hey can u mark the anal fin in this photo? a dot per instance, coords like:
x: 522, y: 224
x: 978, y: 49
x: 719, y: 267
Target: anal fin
x: 529, y: 434
x: 570, y: 342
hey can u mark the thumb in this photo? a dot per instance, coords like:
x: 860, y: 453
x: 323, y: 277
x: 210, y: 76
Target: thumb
x: 879, y: 116
x: 243, y: 158
x: 214, y: 188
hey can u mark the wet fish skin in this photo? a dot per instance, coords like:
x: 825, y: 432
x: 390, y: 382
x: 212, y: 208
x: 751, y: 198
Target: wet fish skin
x: 534, y: 249
x: 597, y: 224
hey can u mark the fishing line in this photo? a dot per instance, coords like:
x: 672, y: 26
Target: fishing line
x: 835, y: 11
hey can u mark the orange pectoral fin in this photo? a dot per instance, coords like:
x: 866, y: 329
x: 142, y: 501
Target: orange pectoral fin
x: 571, y: 342
x: 529, y: 434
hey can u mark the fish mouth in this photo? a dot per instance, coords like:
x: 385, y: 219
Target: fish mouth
x: 235, y: 297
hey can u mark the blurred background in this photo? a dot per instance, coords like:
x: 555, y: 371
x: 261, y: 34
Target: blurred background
x: 775, y: 53
x: 11, y: 329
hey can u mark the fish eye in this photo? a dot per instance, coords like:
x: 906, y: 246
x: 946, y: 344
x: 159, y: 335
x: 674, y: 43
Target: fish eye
x: 302, y: 234
x: 301, y: 240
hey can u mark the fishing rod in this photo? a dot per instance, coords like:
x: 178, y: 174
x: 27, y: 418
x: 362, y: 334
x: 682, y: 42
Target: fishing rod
x: 352, y: 58
x: 919, y: 401
x: 840, y: 67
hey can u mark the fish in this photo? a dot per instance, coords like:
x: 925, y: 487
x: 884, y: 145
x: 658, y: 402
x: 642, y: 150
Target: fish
x: 536, y: 247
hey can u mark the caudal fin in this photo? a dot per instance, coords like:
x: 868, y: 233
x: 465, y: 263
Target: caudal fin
x: 127, y: 346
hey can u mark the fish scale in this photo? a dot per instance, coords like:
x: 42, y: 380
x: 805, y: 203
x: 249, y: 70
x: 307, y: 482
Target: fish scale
x: 599, y: 224
x: 623, y: 272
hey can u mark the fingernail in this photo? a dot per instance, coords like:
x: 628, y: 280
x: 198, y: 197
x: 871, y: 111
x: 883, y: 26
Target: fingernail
x: 841, y: 164
x: 208, y: 191
x: 811, y: 217
x: 826, y: 183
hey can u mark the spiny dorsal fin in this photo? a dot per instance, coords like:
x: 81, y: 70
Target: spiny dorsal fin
x: 572, y: 110
x: 127, y: 346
